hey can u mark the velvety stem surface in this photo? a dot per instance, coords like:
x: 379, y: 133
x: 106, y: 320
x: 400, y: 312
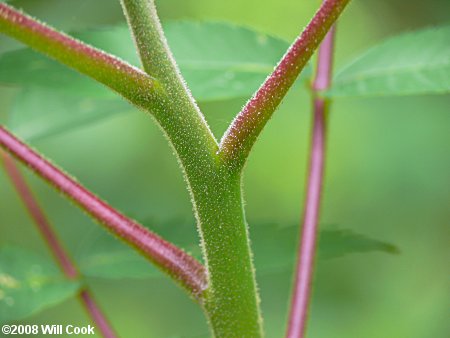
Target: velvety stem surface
x: 231, y: 302
x: 53, y: 243
x: 175, y: 262
x: 178, y: 115
x: 244, y: 130
x: 304, y: 273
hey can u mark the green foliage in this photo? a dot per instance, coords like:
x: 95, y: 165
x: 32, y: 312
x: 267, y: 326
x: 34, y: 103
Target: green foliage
x: 39, y: 113
x: 337, y: 243
x: 222, y: 61
x: 26, y: 68
x: 274, y: 249
x: 219, y: 61
x: 29, y: 283
x: 409, y: 64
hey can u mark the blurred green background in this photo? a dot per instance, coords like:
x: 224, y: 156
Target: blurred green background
x: 388, y: 177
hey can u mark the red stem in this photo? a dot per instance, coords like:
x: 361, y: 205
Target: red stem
x: 182, y: 267
x: 96, y: 314
x: 45, y: 228
x: 108, y: 69
x: 38, y: 216
x: 244, y: 130
x: 304, y: 274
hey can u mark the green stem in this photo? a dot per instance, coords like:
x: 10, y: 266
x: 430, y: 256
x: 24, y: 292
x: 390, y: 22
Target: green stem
x: 214, y: 178
x: 231, y: 302
x: 150, y: 41
x: 179, y: 116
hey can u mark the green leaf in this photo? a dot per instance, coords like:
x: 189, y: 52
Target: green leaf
x: 218, y: 60
x: 37, y: 113
x: 29, y: 284
x: 26, y: 68
x: 221, y: 60
x: 408, y: 64
x: 276, y: 248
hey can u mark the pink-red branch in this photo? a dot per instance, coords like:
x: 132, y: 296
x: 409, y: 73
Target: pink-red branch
x: 244, y: 130
x: 46, y: 230
x: 182, y: 267
x: 113, y: 72
x: 96, y: 314
x: 304, y: 273
x: 38, y: 216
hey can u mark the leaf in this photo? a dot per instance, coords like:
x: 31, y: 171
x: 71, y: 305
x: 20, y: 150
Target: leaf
x: 25, y: 67
x: 37, y: 113
x: 29, y: 284
x: 275, y: 249
x: 338, y: 243
x: 219, y: 60
x: 223, y: 61
x: 408, y: 64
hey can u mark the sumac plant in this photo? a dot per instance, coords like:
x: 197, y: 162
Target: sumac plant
x: 222, y: 281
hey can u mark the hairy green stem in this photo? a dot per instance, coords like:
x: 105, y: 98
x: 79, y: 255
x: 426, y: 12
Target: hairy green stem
x: 178, y: 115
x: 231, y: 302
x: 213, y: 173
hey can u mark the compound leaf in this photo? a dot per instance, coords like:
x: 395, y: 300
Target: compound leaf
x: 409, y: 64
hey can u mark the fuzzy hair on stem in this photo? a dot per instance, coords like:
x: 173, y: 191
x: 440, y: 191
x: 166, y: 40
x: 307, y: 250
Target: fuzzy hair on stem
x: 125, y: 79
x: 213, y: 172
x: 243, y: 132
x: 183, y: 268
